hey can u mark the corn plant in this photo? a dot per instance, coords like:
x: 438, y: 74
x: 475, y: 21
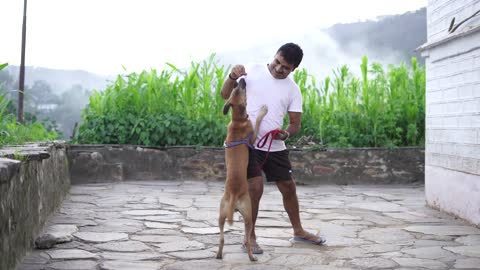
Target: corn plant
x: 3, y: 97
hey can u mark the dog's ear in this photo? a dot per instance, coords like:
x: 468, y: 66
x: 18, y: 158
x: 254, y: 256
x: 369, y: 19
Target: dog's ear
x: 226, y: 107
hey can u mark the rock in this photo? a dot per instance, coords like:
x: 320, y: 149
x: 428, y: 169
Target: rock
x: 45, y: 241
x: 55, y: 234
x: 62, y: 232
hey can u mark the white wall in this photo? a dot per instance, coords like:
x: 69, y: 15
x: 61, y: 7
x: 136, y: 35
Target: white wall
x: 452, y: 156
x: 441, y: 12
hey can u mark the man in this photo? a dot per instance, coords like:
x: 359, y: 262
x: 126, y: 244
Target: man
x: 270, y: 85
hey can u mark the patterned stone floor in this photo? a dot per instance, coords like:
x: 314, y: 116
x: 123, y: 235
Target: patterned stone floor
x: 173, y: 225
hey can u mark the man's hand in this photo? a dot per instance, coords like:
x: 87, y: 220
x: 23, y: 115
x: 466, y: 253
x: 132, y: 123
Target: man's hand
x: 237, y: 72
x: 282, y: 135
x: 293, y: 127
x: 231, y: 81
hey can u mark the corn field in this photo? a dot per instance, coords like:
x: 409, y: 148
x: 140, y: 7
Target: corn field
x: 379, y: 109
x: 172, y: 107
x: 382, y: 108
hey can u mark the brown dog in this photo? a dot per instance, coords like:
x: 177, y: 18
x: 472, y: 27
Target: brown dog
x: 240, y: 136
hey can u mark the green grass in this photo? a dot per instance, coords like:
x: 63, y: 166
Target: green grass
x: 12, y: 133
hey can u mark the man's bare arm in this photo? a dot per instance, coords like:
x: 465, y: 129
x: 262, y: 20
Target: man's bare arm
x: 294, y: 126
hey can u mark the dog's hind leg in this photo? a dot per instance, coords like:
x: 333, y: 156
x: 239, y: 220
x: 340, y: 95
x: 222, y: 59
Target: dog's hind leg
x: 244, y: 206
x: 221, y: 224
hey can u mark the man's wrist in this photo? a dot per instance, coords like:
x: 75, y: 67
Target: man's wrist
x: 286, y: 136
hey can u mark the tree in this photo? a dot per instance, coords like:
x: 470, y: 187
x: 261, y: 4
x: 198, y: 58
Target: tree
x: 41, y: 94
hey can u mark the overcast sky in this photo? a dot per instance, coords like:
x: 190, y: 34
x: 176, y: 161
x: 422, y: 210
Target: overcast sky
x: 101, y: 36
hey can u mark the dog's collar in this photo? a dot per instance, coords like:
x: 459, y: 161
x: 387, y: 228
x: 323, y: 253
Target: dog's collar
x: 244, y: 141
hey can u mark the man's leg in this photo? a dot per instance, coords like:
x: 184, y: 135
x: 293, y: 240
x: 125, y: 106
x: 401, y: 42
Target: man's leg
x: 290, y: 202
x: 255, y: 189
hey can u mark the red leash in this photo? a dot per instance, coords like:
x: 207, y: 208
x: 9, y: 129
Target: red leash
x: 262, y: 143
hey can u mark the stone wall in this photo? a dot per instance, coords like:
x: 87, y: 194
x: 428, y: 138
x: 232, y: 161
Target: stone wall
x: 100, y: 163
x: 34, y: 180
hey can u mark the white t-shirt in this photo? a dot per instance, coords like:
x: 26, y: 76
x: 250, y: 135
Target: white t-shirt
x: 280, y: 96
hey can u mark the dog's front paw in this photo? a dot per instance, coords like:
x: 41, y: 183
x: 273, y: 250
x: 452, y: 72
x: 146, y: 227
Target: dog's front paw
x: 263, y: 110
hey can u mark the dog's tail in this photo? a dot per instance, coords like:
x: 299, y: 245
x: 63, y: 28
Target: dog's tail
x: 231, y: 210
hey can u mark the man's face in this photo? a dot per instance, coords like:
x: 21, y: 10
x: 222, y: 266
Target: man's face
x: 279, y: 68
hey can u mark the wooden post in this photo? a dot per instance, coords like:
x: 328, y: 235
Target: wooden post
x: 21, y: 83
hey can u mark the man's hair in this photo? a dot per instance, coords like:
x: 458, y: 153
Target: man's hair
x: 292, y: 53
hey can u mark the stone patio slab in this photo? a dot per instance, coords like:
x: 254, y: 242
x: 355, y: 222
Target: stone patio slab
x: 170, y: 225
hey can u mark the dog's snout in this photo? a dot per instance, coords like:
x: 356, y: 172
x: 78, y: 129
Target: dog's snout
x: 242, y: 83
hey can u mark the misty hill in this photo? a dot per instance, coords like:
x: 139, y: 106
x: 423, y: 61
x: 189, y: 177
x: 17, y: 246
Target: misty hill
x: 60, y: 80
x: 387, y: 40
x: 400, y: 34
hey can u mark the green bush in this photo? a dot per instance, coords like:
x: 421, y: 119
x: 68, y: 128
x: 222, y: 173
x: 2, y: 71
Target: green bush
x: 174, y: 107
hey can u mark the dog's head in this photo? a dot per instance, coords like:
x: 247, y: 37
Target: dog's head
x: 238, y: 97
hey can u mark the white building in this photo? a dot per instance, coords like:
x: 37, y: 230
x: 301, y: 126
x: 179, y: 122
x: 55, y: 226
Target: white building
x: 452, y: 155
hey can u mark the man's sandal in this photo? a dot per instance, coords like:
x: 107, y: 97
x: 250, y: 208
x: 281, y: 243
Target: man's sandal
x: 319, y: 242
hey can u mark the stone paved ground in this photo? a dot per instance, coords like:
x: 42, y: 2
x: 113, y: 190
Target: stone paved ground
x: 173, y: 225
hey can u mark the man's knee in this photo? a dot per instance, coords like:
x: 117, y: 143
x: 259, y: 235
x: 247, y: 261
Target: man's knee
x: 287, y: 187
x: 255, y: 185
